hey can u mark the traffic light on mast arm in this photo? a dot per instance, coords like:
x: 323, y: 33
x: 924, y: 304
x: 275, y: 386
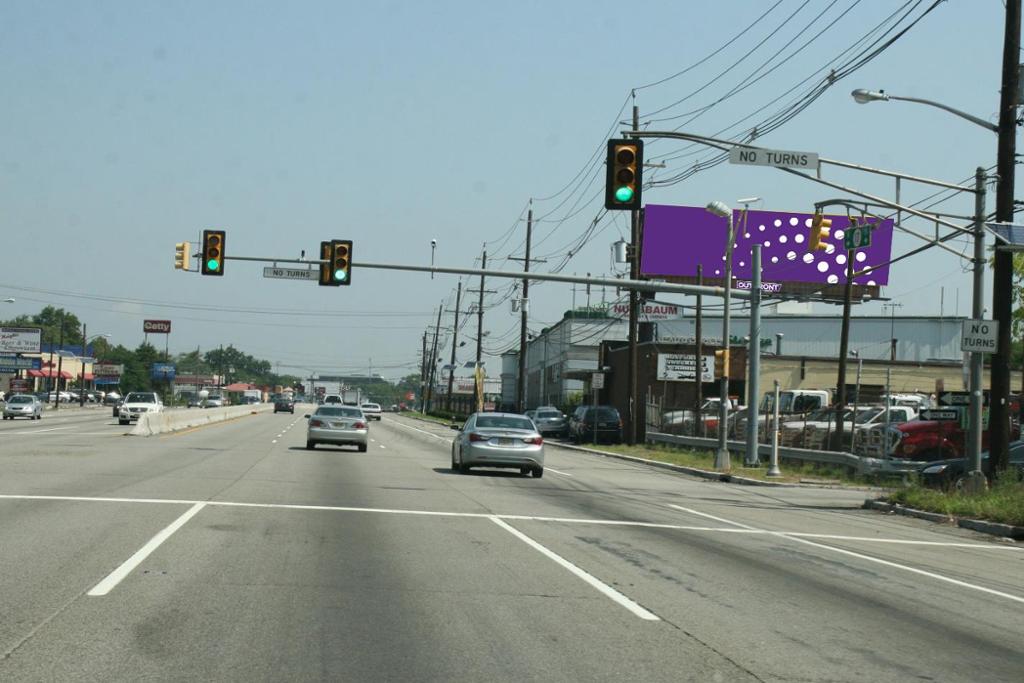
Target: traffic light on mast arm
x: 624, y: 168
x: 722, y: 363
x: 213, y: 252
x: 182, y: 257
x: 820, y: 229
x: 337, y: 270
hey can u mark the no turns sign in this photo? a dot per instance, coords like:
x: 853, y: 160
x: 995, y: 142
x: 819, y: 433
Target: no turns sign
x: 979, y: 336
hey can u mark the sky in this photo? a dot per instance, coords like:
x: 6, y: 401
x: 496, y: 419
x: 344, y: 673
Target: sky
x: 131, y: 126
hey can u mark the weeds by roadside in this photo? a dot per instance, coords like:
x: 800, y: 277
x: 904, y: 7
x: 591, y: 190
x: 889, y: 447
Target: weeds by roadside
x: 1003, y: 503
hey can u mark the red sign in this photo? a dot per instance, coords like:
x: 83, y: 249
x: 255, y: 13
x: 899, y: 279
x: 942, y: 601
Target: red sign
x: 18, y: 384
x: 156, y: 326
x: 410, y: 396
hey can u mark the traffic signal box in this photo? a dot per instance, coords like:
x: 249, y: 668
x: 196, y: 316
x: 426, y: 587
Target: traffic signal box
x: 820, y: 229
x: 722, y: 363
x: 181, y: 256
x: 213, y: 252
x: 337, y: 270
x: 623, y: 184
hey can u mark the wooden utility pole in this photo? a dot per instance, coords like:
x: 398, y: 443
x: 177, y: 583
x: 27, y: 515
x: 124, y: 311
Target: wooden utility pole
x: 455, y: 344
x: 524, y: 306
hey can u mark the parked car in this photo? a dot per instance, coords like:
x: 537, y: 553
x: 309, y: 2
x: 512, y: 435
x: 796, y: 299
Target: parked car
x: 947, y: 474
x: 550, y: 421
x: 284, y: 404
x: 23, y: 405
x: 195, y: 401
x: 591, y: 423
x: 214, y: 401
x: 136, y: 403
x: 498, y: 440
x: 338, y: 425
x: 372, y: 411
x: 112, y: 398
x: 933, y: 440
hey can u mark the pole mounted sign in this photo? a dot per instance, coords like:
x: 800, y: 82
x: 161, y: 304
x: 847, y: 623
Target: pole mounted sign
x: 979, y: 336
x: 290, y: 273
x: 857, y: 237
x: 156, y: 326
x: 773, y: 157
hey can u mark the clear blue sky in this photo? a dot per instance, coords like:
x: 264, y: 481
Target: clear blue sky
x: 130, y: 126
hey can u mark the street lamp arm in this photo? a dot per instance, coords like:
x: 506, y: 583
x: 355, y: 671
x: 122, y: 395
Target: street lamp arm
x: 956, y: 112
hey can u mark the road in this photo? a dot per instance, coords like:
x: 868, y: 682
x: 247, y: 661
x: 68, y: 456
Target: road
x: 230, y: 552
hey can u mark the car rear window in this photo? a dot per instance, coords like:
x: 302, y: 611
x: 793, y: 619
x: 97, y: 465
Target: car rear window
x: 504, y: 422
x: 548, y: 413
x: 20, y: 399
x: 340, y: 411
x: 607, y: 414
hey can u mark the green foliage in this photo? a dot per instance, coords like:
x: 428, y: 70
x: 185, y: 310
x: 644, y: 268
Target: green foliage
x: 1003, y: 503
x: 51, y: 319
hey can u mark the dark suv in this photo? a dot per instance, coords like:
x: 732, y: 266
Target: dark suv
x: 283, y: 404
x: 602, y: 422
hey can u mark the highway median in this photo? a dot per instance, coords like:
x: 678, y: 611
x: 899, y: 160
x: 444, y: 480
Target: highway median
x: 153, y: 424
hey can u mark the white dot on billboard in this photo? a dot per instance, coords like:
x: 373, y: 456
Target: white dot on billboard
x: 778, y: 223
x: 871, y: 283
x: 808, y: 258
x: 799, y: 239
x: 718, y: 272
x: 861, y: 257
x: 760, y: 228
x: 742, y: 264
x: 841, y: 259
x: 822, y: 266
x: 794, y: 221
x: 839, y: 234
x: 809, y: 222
x: 746, y: 235
x: 783, y: 239
x: 767, y: 243
x: 791, y: 256
x: 775, y: 259
x: 830, y: 249
x: 832, y: 279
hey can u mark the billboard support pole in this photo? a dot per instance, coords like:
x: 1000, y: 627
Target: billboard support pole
x: 754, y: 362
x: 844, y: 346
x: 722, y: 455
x: 698, y: 423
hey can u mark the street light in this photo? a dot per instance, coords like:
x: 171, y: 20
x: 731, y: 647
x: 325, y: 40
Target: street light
x: 974, y: 440
x: 721, y: 210
x: 8, y: 301
x: 81, y: 381
x: 863, y: 96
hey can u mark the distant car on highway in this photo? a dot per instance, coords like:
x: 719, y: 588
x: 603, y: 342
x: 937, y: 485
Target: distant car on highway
x: 284, y: 404
x: 498, y: 440
x: 372, y: 411
x: 214, y: 401
x: 136, y: 403
x: 550, y: 421
x: 23, y: 405
x: 338, y: 425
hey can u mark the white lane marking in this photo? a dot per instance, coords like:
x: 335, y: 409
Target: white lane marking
x: 274, y: 441
x: 704, y: 514
x: 37, y: 431
x: 552, y: 469
x: 382, y: 446
x: 115, y: 577
x: 422, y: 431
x: 877, y: 560
x: 602, y: 587
x: 475, y: 515
x: 373, y: 440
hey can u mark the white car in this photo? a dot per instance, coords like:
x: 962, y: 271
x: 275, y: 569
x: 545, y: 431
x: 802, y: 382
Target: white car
x: 372, y: 411
x: 136, y: 403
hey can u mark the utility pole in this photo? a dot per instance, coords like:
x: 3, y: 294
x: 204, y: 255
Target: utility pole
x: 1002, y: 278
x: 455, y: 344
x: 844, y: 350
x: 754, y: 357
x: 524, y: 309
x: 81, y: 383
x: 699, y: 393
x: 60, y: 358
x: 632, y: 379
x: 423, y: 376
x: 976, y: 477
x: 431, y: 371
x: 477, y: 372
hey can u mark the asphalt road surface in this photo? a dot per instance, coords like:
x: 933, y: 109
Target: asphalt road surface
x: 230, y: 552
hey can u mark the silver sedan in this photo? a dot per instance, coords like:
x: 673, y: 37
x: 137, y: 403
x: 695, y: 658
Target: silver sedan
x: 498, y: 440
x: 339, y: 425
x: 23, y: 405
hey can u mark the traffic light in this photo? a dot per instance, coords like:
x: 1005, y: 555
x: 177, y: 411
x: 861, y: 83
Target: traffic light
x: 722, y: 363
x: 624, y: 175
x: 213, y: 252
x: 181, y: 256
x: 338, y: 267
x: 820, y: 229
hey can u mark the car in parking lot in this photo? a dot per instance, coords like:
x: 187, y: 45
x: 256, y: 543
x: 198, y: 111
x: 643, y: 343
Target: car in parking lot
x: 949, y: 474
x: 372, y: 411
x: 214, y: 401
x: 550, y: 421
x: 337, y: 425
x: 503, y: 440
x: 112, y: 398
x: 590, y: 423
x: 284, y: 404
x: 137, y: 403
x: 23, y: 405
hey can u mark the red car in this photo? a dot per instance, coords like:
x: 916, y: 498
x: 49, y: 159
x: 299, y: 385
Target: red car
x: 929, y: 440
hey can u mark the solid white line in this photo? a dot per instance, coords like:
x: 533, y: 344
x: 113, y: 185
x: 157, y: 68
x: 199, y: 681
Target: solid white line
x: 383, y: 446
x: 717, y: 519
x: 39, y: 431
x: 552, y: 469
x: 274, y: 441
x: 115, y: 577
x: 604, y: 588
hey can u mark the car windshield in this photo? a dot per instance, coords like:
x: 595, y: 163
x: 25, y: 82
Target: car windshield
x: 503, y: 422
x: 20, y: 399
x: 866, y: 416
x: 340, y: 411
x: 606, y: 413
x: 548, y: 413
x: 136, y: 397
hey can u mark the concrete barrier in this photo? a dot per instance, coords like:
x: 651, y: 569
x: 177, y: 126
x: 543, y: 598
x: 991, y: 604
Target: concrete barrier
x: 152, y: 424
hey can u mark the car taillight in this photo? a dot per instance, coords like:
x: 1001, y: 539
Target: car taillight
x: 620, y: 423
x: 316, y: 423
x: 473, y: 436
x: 535, y: 440
x: 360, y: 425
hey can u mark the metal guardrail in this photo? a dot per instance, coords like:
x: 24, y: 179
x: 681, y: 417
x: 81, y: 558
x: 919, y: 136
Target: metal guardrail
x: 855, y: 463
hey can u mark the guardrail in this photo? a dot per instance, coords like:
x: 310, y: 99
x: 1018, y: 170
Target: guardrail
x: 151, y: 424
x: 855, y: 463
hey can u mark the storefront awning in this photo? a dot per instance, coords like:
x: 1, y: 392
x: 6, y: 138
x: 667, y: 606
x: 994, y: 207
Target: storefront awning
x: 49, y: 372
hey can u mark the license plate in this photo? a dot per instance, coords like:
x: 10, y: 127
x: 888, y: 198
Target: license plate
x: 503, y: 442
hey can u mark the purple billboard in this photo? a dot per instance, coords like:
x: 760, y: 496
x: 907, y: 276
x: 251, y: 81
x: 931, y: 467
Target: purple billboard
x: 676, y: 239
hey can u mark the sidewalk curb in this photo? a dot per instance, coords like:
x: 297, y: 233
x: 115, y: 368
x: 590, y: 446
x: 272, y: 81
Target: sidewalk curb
x: 1005, y: 530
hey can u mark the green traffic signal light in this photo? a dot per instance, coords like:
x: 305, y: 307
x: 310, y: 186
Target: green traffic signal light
x: 624, y: 194
x: 339, y: 274
x: 212, y: 264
